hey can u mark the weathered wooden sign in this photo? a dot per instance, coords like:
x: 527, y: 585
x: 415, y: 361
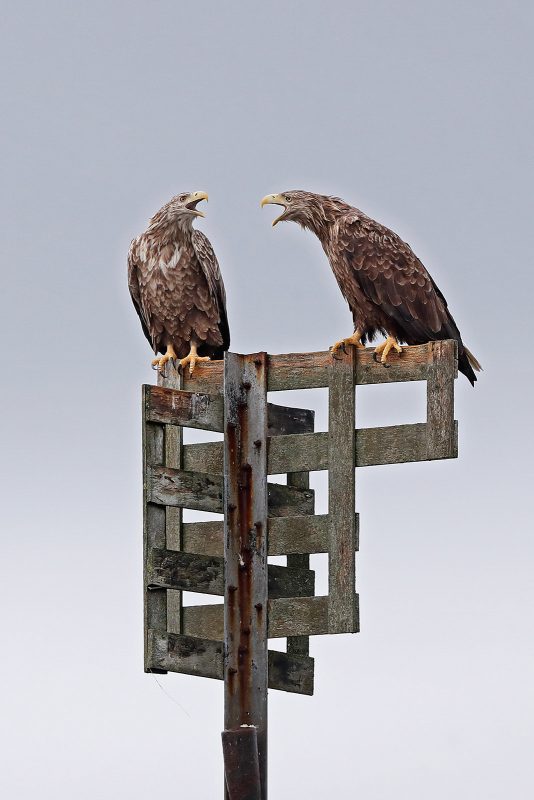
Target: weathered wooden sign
x: 260, y: 519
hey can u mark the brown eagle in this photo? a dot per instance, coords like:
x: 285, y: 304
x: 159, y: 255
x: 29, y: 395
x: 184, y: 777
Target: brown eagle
x: 388, y: 289
x: 177, y: 288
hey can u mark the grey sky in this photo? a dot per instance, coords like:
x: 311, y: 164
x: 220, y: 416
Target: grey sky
x: 421, y: 114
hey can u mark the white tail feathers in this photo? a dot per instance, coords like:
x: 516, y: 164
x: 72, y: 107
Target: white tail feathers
x: 472, y: 360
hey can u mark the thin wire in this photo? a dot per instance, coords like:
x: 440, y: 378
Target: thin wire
x: 173, y: 699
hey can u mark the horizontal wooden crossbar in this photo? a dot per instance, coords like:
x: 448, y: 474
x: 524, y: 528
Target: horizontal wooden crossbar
x: 288, y: 616
x: 190, y: 572
x: 206, y: 411
x: 286, y: 535
x: 311, y: 370
x: 193, y: 655
x: 204, y: 492
x: 393, y: 444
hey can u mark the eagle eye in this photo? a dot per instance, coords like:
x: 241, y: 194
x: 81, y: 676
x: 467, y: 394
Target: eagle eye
x: 183, y: 197
x: 287, y: 198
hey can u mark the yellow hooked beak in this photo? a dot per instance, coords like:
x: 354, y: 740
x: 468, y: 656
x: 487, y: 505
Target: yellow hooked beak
x: 277, y: 200
x: 194, y: 198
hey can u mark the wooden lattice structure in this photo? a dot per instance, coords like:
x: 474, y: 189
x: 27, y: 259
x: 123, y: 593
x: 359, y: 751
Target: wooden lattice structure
x: 261, y: 519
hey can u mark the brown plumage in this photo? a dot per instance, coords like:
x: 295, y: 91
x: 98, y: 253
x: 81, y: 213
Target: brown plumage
x: 176, y: 286
x: 388, y: 289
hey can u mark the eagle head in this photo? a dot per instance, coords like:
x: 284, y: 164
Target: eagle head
x: 181, y: 210
x: 313, y: 211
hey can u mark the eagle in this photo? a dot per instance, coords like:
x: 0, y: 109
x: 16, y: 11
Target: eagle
x: 388, y: 289
x: 177, y: 288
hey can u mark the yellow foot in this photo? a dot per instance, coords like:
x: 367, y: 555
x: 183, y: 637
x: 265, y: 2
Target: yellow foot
x: 159, y: 363
x: 353, y: 340
x: 192, y: 360
x: 383, y: 349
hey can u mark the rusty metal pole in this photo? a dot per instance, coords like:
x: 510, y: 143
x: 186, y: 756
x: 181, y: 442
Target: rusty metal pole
x: 245, y: 557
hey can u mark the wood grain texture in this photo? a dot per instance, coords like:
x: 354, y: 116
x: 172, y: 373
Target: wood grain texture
x: 312, y: 370
x: 204, y: 657
x: 299, y: 645
x: 441, y: 428
x: 342, y: 610
x: 195, y: 490
x: 394, y: 444
x: 173, y: 434
x: 288, y: 616
x: 204, y: 492
x: 190, y: 409
x: 191, y: 572
x: 154, y: 535
x: 286, y: 535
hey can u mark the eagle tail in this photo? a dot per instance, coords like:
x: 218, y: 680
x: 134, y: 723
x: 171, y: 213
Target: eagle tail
x: 468, y: 364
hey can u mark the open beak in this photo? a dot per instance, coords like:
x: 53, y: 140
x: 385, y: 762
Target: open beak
x: 277, y: 200
x: 195, y: 198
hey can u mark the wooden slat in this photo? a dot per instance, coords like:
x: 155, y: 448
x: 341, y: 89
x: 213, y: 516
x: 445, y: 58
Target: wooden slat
x: 287, y: 535
x: 441, y: 429
x: 191, y: 572
x: 155, y: 603
x: 204, y: 657
x: 282, y: 420
x: 287, y: 501
x: 190, y: 409
x: 205, y: 411
x: 172, y: 380
x: 195, y: 490
x: 203, y: 492
x: 311, y: 370
x: 299, y: 645
x: 342, y: 610
x: 288, y: 616
x: 394, y: 444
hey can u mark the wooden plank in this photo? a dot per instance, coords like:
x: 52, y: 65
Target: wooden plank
x: 204, y: 657
x: 311, y: 370
x: 190, y: 409
x: 299, y: 645
x: 191, y: 572
x: 394, y: 444
x: 186, y: 571
x: 288, y: 616
x: 342, y: 611
x: 287, y: 501
x: 203, y: 492
x: 204, y: 538
x: 441, y: 429
x: 208, y: 378
x: 282, y: 420
x: 169, y: 381
x: 287, y: 535
x: 155, y: 603
x: 195, y: 490
x: 245, y: 548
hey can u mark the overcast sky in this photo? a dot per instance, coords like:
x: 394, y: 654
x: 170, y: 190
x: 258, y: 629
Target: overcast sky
x: 419, y: 113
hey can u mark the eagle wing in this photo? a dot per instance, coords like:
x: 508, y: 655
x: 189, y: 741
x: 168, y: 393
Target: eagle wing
x: 394, y: 279
x: 210, y: 267
x: 133, y: 285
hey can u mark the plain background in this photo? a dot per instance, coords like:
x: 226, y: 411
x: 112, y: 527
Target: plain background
x: 420, y: 113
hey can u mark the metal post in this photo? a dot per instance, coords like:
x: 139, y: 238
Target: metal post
x: 245, y: 557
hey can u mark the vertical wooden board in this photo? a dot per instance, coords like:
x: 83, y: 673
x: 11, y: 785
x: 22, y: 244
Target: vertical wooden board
x: 245, y: 548
x: 441, y: 433
x: 342, y: 607
x: 298, y: 645
x: 154, y: 602
x: 172, y: 379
